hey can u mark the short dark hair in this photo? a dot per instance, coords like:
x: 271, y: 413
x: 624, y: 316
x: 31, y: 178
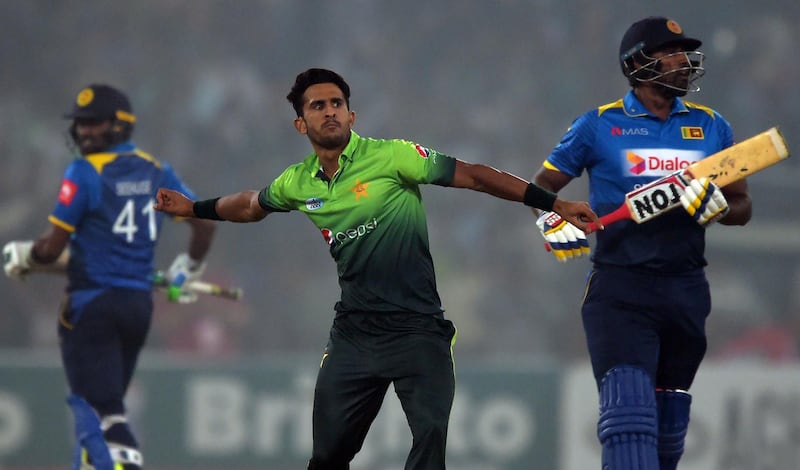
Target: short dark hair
x: 315, y: 76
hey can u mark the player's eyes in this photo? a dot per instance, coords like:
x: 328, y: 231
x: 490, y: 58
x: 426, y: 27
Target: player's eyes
x: 319, y: 105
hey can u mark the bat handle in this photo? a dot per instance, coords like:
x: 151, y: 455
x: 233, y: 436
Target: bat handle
x: 621, y: 213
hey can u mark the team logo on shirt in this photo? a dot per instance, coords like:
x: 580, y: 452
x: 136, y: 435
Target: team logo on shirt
x: 67, y: 192
x: 422, y: 151
x: 360, y: 189
x: 694, y: 133
x: 314, y: 203
x: 660, y: 162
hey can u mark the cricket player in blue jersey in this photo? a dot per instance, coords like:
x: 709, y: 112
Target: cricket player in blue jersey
x: 103, y: 232
x: 647, y: 297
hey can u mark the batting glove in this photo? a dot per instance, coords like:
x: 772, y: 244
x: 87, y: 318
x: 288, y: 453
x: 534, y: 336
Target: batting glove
x: 181, y: 272
x: 564, y: 240
x: 17, y: 258
x: 704, y: 201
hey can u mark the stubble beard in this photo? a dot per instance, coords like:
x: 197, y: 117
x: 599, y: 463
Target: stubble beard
x: 331, y: 142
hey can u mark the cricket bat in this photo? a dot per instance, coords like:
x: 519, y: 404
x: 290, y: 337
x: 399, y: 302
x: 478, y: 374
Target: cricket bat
x: 201, y: 287
x: 722, y: 168
x: 158, y: 278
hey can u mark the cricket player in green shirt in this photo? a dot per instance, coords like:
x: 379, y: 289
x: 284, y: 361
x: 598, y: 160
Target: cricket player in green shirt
x: 363, y: 194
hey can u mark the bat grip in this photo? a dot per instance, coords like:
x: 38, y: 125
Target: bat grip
x: 621, y: 213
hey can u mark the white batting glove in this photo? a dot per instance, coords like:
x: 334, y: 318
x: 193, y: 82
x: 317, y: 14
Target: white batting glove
x: 181, y: 272
x: 564, y: 240
x: 704, y: 201
x: 17, y: 258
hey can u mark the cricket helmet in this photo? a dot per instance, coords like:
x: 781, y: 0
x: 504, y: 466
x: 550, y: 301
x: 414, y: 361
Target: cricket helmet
x: 652, y: 34
x: 103, y: 102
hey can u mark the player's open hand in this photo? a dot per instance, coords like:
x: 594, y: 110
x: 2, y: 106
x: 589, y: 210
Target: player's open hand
x: 579, y: 214
x: 174, y: 203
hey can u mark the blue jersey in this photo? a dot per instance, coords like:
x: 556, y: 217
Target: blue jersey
x: 623, y: 146
x: 106, y: 202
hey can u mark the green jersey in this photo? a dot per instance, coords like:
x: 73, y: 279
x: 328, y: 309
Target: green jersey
x: 372, y: 217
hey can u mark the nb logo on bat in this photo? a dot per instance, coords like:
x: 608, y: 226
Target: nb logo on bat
x: 656, y: 198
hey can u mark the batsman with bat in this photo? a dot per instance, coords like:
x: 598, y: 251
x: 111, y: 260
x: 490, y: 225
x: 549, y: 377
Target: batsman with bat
x: 647, y: 297
x: 103, y: 233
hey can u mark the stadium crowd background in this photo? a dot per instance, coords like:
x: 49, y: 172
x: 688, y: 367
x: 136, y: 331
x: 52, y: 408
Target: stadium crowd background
x: 495, y: 82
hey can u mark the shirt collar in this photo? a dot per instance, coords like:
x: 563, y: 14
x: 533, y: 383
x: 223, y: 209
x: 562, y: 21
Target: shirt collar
x: 347, y: 154
x: 635, y: 108
x: 125, y: 147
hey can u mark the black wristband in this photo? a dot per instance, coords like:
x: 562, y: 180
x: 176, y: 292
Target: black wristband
x: 538, y: 197
x: 206, y: 209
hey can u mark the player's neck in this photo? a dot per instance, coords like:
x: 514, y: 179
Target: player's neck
x: 329, y: 160
x: 654, y: 101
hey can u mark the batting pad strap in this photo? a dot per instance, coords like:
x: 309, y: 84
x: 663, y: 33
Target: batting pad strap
x: 538, y: 197
x: 110, y: 420
x: 628, y: 424
x: 125, y: 455
x: 206, y: 209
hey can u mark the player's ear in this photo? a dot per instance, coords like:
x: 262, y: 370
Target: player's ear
x: 352, y: 118
x: 300, y: 125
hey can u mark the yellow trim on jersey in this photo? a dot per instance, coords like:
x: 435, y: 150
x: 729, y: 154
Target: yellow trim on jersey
x: 708, y: 110
x: 550, y: 166
x: 148, y: 157
x: 69, y: 228
x: 606, y: 107
x: 99, y: 160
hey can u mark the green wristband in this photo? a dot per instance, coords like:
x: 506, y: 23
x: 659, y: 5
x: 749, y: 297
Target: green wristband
x: 206, y: 209
x: 538, y: 197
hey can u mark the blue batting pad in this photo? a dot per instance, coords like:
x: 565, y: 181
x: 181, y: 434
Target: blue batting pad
x: 673, y: 423
x: 89, y: 435
x: 628, y: 425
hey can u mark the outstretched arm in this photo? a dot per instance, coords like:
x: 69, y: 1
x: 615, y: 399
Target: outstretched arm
x: 513, y: 188
x: 238, y: 207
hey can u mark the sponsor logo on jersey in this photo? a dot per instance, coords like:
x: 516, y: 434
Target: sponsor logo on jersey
x: 360, y: 189
x: 314, y: 203
x: 133, y: 188
x: 422, y: 151
x: 693, y: 133
x: 618, y: 131
x: 67, y: 192
x: 338, y: 238
x: 660, y: 162
x: 637, y: 163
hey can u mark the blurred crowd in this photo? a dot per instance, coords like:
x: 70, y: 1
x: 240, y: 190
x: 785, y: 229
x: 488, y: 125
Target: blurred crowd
x: 491, y: 82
